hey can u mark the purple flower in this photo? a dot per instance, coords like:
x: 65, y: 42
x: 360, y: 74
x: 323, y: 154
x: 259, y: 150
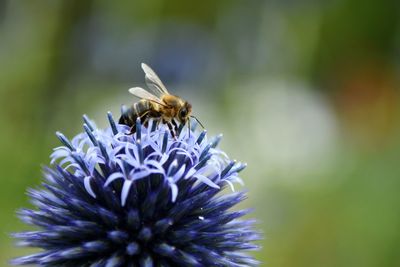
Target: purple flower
x: 146, y: 199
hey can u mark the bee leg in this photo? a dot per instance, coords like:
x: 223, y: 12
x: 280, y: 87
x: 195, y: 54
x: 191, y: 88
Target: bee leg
x: 171, y: 130
x: 143, y: 120
x: 175, y: 125
x: 189, y: 130
x: 132, y: 130
x: 157, y: 123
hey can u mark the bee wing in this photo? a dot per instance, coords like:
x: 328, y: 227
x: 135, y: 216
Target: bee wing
x: 141, y: 93
x: 153, y: 81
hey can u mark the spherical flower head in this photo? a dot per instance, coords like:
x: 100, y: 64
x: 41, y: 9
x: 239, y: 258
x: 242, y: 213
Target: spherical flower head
x: 145, y: 199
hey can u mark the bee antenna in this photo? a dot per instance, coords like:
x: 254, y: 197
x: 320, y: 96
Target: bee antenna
x: 197, y: 121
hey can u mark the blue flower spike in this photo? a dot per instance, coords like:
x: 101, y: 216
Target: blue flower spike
x: 112, y: 198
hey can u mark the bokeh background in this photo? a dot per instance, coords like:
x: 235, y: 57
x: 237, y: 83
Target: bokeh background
x: 305, y: 92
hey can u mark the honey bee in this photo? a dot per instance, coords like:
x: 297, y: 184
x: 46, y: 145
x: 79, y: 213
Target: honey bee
x: 158, y: 104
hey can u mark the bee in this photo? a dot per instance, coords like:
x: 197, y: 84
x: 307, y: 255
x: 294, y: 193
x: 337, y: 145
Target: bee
x: 158, y: 104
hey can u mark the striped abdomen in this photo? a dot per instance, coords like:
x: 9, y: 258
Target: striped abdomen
x: 140, y: 109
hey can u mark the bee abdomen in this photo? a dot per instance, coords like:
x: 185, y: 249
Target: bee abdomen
x: 129, y: 115
x: 126, y: 116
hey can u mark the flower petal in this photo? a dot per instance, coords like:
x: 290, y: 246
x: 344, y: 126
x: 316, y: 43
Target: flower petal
x: 113, y: 177
x: 206, y: 180
x: 88, y: 187
x: 174, y: 191
x: 125, y: 191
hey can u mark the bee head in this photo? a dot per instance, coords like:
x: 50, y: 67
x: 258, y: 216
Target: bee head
x: 185, y: 112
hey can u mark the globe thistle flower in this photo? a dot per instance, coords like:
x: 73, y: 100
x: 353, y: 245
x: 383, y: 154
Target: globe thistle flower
x: 143, y: 199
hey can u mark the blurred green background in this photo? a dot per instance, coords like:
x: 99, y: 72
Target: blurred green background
x: 305, y: 92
